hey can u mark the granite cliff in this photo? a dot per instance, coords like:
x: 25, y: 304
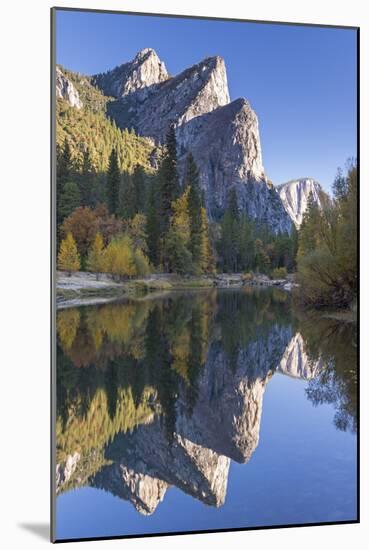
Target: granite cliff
x: 222, y: 135
x: 65, y: 89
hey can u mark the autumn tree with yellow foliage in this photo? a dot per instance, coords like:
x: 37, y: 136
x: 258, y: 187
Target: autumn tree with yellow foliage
x: 68, y: 257
x: 123, y: 260
x: 96, y: 257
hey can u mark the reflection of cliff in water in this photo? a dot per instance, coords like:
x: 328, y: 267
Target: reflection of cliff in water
x: 167, y: 392
x: 223, y: 424
x: 295, y: 361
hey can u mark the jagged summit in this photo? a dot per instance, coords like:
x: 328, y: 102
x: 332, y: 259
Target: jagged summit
x: 144, y: 70
x: 145, y: 53
x: 175, y: 100
x: 295, y: 195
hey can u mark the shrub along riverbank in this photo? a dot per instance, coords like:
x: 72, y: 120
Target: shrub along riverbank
x: 327, y: 252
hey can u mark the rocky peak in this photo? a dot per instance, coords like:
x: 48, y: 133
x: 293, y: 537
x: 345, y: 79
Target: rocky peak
x: 295, y: 195
x: 65, y: 89
x: 197, y: 90
x: 145, y: 70
x: 223, y: 137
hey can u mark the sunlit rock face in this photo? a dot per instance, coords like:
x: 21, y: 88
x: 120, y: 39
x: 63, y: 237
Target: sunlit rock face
x: 147, y: 461
x: 295, y: 361
x: 66, y: 90
x: 295, y: 195
x: 145, y: 70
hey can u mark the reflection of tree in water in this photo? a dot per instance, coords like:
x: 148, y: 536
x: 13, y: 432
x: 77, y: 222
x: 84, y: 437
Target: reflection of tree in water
x: 195, y: 359
x: 248, y: 316
x: 334, y: 344
x: 68, y: 322
x: 131, y: 347
x: 111, y: 388
x: 158, y: 368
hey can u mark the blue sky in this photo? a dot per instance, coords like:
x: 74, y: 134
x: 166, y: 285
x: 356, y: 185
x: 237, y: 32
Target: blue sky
x: 301, y: 81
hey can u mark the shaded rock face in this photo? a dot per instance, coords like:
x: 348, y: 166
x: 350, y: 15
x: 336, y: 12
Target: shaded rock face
x: 65, y: 89
x: 223, y: 136
x: 226, y: 146
x: 197, y: 90
x: 227, y: 413
x: 145, y: 70
x: 295, y: 195
x: 144, y: 491
x: 295, y: 361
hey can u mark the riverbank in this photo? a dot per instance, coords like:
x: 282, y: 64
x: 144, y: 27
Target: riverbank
x: 82, y: 288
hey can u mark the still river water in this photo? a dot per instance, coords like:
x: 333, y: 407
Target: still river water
x: 203, y: 410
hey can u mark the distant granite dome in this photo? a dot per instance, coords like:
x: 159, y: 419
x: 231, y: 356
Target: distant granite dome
x: 295, y: 361
x: 295, y: 195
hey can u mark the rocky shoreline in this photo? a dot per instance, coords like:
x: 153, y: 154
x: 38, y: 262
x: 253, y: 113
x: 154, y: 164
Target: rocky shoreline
x: 82, y: 288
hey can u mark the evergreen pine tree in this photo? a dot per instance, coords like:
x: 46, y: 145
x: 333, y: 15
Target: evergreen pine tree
x: 230, y: 234
x: 246, y: 243
x: 64, y: 165
x: 128, y: 209
x: 233, y: 204
x: 113, y: 182
x: 153, y: 228
x: 64, y: 168
x: 169, y: 184
x: 139, y: 188
x: 194, y: 211
x: 86, y: 179
x: 69, y: 199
